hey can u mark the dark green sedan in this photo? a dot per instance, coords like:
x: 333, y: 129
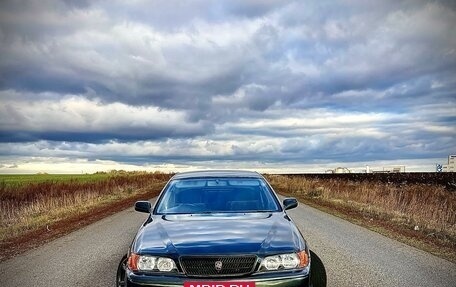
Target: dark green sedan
x: 219, y: 229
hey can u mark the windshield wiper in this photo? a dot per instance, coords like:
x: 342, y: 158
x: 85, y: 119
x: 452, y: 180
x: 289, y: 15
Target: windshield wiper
x: 261, y: 211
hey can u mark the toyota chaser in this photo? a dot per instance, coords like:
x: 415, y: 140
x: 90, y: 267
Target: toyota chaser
x: 219, y: 229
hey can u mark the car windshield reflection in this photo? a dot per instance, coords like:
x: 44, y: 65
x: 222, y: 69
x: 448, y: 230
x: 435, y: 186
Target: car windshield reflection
x: 217, y: 195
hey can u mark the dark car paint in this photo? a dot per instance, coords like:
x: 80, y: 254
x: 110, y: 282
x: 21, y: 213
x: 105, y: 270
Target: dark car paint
x: 143, y: 206
x: 217, y: 173
x: 268, y: 233
x: 298, y: 278
x: 262, y: 233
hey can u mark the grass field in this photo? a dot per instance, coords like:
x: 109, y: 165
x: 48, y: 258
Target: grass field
x: 420, y: 214
x: 7, y: 180
x: 411, y: 210
x: 30, y: 203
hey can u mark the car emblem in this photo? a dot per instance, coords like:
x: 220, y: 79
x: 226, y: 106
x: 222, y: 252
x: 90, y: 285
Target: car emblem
x: 218, y: 265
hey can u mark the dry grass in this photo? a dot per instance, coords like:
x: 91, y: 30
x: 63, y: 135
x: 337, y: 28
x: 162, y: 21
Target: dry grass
x: 430, y: 208
x: 36, y: 204
x: 29, y: 204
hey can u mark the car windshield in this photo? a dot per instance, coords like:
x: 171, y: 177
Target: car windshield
x: 217, y: 195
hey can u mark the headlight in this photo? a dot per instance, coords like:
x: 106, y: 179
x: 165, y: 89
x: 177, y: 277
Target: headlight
x: 285, y: 261
x: 290, y: 261
x: 165, y: 264
x: 146, y: 262
x: 272, y: 262
x: 150, y: 263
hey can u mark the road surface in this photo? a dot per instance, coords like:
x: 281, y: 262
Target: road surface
x: 353, y: 256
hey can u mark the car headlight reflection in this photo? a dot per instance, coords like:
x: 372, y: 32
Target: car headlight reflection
x: 285, y: 261
x: 150, y: 263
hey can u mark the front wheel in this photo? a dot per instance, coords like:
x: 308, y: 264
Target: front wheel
x: 317, y: 271
x: 121, y: 280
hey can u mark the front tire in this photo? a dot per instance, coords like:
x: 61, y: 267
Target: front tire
x: 317, y: 271
x: 121, y: 278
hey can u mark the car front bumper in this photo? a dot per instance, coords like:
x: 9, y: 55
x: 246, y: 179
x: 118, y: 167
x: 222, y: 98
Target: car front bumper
x: 276, y: 279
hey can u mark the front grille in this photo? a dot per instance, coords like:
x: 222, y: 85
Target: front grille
x: 213, y: 266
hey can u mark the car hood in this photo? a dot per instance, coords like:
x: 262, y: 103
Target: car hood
x: 259, y: 233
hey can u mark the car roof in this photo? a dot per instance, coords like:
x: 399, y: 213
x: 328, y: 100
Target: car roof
x: 217, y: 173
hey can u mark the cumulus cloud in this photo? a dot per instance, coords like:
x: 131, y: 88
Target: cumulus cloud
x: 227, y: 81
x: 75, y: 118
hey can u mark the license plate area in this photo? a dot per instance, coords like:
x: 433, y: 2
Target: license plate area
x: 219, y: 284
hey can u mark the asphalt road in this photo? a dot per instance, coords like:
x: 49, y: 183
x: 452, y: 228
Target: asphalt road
x: 353, y: 256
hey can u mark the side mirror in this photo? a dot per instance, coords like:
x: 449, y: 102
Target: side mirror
x: 143, y: 206
x: 289, y: 203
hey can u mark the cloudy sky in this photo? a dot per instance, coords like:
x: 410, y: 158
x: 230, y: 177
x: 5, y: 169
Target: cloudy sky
x: 271, y: 85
